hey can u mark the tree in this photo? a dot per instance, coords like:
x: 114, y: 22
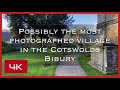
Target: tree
x: 16, y: 21
x: 56, y: 21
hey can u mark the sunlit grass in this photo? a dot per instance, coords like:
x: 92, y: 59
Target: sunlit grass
x: 36, y: 63
x: 90, y: 71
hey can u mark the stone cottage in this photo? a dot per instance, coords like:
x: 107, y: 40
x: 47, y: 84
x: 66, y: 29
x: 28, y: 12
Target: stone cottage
x: 107, y: 59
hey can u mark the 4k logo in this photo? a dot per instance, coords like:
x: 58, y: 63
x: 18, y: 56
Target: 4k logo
x: 16, y: 66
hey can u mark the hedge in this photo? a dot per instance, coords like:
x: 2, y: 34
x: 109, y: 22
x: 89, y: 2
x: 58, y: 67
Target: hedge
x: 6, y: 47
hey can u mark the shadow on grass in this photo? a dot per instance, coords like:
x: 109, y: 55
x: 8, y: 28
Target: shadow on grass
x: 90, y: 71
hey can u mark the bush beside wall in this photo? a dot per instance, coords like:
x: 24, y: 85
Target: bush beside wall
x: 6, y: 47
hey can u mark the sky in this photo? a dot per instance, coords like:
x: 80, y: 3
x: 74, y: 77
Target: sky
x: 79, y: 19
x: 4, y: 24
x: 85, y: 18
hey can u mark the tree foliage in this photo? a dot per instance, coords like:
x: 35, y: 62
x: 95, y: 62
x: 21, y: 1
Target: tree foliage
x: 38, y: 21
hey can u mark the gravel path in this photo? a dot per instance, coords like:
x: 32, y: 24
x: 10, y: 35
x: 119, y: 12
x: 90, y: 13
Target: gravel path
x: 70, y: 68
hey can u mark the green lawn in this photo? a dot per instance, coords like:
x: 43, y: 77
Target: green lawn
x: 90, y: 71
x: 36, y: 64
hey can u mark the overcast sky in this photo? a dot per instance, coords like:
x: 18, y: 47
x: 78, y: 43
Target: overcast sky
x: 79, y: 19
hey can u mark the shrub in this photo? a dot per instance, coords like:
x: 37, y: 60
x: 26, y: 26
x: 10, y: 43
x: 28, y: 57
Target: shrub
x: 6, y: 47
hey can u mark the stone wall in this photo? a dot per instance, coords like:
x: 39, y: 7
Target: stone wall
x: 17, y: 46
x: 97, y: 60
x: 112, y: 59
x: 107, y: 60
x: 106, y: 17
x: 112, y: 33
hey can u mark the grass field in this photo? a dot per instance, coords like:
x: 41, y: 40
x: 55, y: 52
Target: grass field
x: 90, y: 71
x: 36, y: 64
x: 38, y: 67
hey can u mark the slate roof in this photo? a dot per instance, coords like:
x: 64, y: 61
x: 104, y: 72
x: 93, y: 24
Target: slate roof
x: 6, y: 36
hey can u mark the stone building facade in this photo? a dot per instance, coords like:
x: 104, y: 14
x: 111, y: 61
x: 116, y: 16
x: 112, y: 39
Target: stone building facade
x: 107, y: 59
